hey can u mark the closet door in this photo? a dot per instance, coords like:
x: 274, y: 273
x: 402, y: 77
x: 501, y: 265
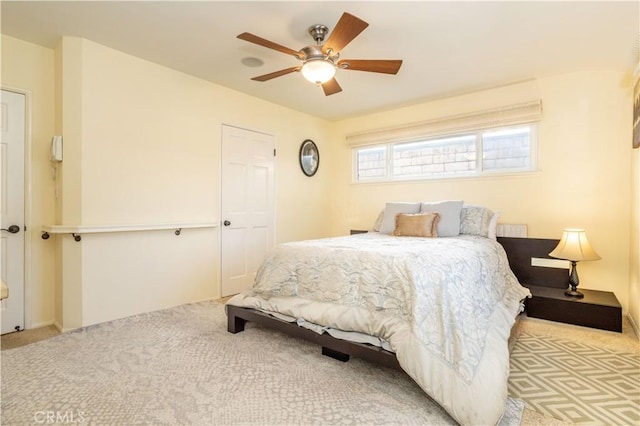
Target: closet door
x: 247, y: 210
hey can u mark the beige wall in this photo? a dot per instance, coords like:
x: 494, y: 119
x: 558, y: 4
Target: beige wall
x: 583, y: 180
x: 69, y: 124
x: 28, y: 67
x: 149, y: 154
x: 151, y: 147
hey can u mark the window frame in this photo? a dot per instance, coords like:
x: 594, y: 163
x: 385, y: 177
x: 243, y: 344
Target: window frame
x: 479, y: 160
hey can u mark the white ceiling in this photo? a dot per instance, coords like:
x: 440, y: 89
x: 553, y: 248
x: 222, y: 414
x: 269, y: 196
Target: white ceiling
x: 448, y: 48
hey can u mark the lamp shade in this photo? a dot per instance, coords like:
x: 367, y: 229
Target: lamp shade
x: 318, y: 71
x: 574, y: 246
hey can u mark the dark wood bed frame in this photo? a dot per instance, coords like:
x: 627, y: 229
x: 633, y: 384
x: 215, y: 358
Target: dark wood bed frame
x: 519, y: 252
x: 338, y: 349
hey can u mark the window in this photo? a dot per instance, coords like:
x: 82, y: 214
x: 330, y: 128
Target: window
x: 453, y: 155
x: 506, y: 149
x: 372, y: 163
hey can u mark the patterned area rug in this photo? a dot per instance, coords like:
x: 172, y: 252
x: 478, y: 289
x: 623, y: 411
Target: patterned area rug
x: 576, y: 382
x: 180, y: 366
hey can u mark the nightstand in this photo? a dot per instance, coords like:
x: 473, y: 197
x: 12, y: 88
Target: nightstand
x: 598, y: 309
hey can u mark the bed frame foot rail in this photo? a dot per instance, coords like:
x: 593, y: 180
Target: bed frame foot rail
x: 338, y: 349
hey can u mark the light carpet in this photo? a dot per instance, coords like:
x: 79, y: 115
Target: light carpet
x: 180, y: 366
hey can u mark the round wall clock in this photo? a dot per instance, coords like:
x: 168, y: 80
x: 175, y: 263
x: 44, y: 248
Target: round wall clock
x: 309, y: 157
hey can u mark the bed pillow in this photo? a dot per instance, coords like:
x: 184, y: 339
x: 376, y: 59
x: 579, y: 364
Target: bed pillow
x: 449, y: 211
x: 378, y: 223
x: 475, y: 220
x: 390, y: 212
x: 416, y: 225
x: 493, y: 226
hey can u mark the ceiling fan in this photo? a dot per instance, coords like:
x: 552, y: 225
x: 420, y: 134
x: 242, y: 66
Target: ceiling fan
x: 320, y: 61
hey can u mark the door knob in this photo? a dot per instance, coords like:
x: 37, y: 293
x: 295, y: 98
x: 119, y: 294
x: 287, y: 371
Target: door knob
x: 14, y: 229
x: 226, y: 223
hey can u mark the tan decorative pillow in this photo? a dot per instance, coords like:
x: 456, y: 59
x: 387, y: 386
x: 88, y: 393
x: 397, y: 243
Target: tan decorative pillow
x: 416, y: 225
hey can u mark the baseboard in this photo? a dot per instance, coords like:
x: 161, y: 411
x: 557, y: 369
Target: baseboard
x: 207, y: 299
x: 40, y: 325
x: 635, y: 327
x: 62, y: 329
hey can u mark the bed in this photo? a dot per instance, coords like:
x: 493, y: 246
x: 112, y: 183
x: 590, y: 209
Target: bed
x: 440, y: 308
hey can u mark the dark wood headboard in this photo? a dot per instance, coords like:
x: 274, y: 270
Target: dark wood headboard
x: 521, y: 250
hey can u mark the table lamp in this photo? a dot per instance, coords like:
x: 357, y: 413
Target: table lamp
x: 574, y: 247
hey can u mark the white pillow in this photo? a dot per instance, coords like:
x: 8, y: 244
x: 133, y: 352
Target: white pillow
x: 493, y: 225
x: 378, y: 223
x: 390, y: 212
x: 449, y: 224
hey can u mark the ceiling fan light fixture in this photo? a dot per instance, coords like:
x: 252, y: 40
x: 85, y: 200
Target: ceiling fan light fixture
x: 318, y: 71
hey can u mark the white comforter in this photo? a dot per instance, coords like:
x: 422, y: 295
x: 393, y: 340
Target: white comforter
x: 445, y: 305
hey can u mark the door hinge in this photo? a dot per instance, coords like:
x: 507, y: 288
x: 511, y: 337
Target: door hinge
x: 274, y: 152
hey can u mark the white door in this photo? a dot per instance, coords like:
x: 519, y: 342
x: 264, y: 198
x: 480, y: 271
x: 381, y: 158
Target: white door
x: 247, y: 205
x: 12, y: 107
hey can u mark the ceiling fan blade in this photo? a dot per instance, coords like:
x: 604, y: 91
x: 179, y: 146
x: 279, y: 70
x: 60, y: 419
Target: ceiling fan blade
x: 347, y: 28
x: 385, y: 66
x: 276, y: 74
x: 251, y: 38
x: 331, y: 87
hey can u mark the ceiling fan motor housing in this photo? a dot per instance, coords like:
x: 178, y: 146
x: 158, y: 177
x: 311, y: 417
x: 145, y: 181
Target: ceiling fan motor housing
x: 311, y: 53
x: 318, y: 32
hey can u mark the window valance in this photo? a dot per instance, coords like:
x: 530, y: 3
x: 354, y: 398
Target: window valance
x: 526, y: 112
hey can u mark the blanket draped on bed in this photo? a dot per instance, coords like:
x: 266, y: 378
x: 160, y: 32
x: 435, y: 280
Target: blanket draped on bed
x: 444, y: 305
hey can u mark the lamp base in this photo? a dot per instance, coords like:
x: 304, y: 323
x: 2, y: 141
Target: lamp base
x: 574, y: 293
x: 573, y: 282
